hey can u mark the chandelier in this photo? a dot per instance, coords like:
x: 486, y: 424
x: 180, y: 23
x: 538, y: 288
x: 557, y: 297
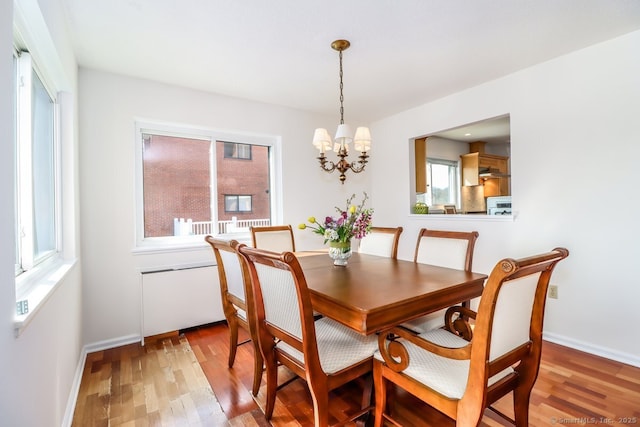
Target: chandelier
x: 361, y: 140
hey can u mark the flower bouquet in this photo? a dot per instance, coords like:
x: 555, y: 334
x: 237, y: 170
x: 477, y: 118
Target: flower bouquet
x: 352, y: 222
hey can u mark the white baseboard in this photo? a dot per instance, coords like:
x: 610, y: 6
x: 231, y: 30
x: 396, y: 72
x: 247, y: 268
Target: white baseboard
x: 75, y: 389
x: 116, y: 342
x: 607, y: 353
x: 77, y: 379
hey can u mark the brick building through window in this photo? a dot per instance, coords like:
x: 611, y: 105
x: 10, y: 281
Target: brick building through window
x: 177, y: 182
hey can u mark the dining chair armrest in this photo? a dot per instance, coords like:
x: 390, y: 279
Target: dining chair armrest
x: 460, y: 325
x: 396, y: 356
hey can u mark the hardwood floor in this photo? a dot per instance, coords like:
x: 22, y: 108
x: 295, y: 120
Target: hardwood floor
x: 573, y: 388
x: 159, y: 384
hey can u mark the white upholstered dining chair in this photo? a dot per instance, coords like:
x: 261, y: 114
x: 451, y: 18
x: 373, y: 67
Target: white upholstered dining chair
x: 451, y: 249
x: 276, y: 238
x: 381, y: 241
x: 234, y: 284
x: 323, y: 352
x: 461, y: 378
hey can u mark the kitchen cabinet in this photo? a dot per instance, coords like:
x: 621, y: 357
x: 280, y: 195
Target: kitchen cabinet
x: 488, y: 170
x: 421, y: 165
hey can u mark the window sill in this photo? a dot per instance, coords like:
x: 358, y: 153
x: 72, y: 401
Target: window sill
x: 36, y: 286
x: 178, y: 244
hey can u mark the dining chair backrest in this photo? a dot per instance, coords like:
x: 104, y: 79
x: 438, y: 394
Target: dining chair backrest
x: 233, y: 272
x: 283, y: 302
x: 230, y: 275
x: 451, y: 249
x: 275, y: 238
x: 381, y: 241
x: 511, y: 322
x: 280, y: 299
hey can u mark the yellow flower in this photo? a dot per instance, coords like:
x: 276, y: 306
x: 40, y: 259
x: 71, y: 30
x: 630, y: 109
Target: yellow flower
x: 302, y: 226
x: 312, y: 219
x: 352, y: 209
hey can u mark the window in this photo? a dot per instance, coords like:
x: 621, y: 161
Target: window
x: 44, y: 119
x: 234, y: 150
x: 442, y: 177
x: 236, y: 203
x: 190, y: 183
x: 36, y: 147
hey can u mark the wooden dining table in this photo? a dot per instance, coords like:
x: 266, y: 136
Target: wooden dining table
x: 374, y: 293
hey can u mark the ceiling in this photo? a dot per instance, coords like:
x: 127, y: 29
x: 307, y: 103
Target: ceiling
x: 496, y: 130
x: 403, y: 53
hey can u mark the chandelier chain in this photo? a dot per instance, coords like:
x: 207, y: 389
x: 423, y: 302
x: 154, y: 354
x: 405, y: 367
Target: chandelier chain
x: 341, y: 95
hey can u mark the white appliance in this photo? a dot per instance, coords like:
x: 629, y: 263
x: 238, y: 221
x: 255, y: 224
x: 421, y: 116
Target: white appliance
x: 499, y: 205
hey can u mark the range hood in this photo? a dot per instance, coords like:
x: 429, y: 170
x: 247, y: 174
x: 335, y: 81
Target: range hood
x: 492, y: 173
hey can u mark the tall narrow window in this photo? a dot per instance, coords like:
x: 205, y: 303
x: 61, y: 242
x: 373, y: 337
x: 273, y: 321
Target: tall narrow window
x: 442, y: 176
x: 36, y: 180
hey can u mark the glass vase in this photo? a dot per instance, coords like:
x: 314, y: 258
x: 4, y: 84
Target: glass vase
x: 340, y: 252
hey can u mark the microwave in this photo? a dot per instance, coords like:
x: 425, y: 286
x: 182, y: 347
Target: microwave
x: 499, y: 205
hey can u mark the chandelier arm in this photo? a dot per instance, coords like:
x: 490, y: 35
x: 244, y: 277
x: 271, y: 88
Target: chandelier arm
x: 359, y: 166
x: 323, y: 164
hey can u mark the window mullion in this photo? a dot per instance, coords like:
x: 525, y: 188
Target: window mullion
x: 213, y: 181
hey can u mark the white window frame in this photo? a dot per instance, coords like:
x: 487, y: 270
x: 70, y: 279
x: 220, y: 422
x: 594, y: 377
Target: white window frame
x: 171, y: 243
x: 24, y: 165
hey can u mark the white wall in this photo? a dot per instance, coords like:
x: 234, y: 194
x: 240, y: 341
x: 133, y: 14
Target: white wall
x: 38, y: 367
x: 574, y: 150
x: 109, y: 106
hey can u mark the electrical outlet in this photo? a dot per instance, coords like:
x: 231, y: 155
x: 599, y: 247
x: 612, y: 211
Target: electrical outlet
x: 553, y: 291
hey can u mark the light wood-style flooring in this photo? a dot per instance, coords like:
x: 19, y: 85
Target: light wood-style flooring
x: 573, y: 388
x: 160, y: 384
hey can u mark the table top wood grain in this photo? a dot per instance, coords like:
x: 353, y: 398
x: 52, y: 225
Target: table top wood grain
x: 374, y: 293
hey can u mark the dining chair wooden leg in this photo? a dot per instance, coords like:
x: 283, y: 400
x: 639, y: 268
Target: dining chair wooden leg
x: 469, y: 415
x: 320, y: 398
x: 258, y: 367
x: 367, y: 404
x: 272, y: 386
x: 233, y: 341
x: 381, y: 395
x: 521, y: 397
